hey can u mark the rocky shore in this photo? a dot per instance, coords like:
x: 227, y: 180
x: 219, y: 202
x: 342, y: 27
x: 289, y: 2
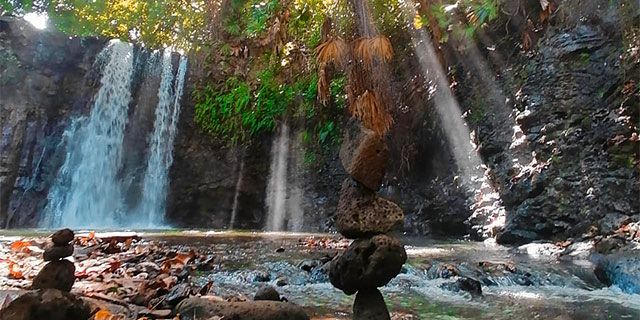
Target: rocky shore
x: 125, y: 276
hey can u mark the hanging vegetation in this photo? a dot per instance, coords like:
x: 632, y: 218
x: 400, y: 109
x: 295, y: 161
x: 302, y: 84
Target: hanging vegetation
x: 229, y: 39
x: 370, y: 110
x: 370, y: 50
x: 333, y: 51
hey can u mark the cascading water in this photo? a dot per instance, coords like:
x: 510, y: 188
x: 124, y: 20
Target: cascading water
x: 155, y: 184
x: 277, y: 187
x: 236, y: 196
x: 87, y: 192
x: 283, y: 207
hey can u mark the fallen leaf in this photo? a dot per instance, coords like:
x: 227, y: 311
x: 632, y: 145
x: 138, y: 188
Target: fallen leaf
x: 179, y: 261
x: 19, y: 246
x: 113, y: 266
x: 103, y: 315
x: 13, y: 273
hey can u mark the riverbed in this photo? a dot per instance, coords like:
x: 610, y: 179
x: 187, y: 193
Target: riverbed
x: 528, y: 282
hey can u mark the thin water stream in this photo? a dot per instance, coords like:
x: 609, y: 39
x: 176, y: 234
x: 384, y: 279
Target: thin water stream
x: 156, y: 179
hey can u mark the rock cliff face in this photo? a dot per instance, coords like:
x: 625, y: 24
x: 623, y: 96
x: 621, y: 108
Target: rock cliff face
x: 44, y: 78
x: 560, y: 152
x: 49, y: 78
x: 573, y: 132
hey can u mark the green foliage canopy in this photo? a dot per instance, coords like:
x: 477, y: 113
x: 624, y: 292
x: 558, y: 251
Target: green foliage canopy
x: 252, y: 101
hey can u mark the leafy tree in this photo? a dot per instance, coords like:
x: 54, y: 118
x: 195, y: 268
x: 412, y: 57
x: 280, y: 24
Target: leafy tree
x: 352, y: 41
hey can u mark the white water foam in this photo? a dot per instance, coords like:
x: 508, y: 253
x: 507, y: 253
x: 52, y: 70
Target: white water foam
x: 152, y: 207
x: 87, y: 192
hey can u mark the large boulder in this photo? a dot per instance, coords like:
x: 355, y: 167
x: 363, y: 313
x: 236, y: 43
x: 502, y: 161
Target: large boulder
x: 367, y: 264
x: 198, y: 308
x: 56, y: 275
x: 369, y: 305
x: 50, y: 304
x: 364, y: 155
x: 361, y: 213
x: 620, y: 269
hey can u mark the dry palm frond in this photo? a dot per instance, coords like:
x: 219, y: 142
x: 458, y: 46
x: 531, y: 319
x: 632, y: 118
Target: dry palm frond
x: 368, y: 50
x: 382, y: 47
x: 332, y: 51
x: 323, y: 85
x: 371, y: 112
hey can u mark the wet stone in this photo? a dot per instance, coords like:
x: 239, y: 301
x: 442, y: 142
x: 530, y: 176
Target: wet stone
x: 58, y: 274
x: 267, y: 293
x: 282, y: 281
x: 367, y: 264
x: 49, y: 304
x: 308, y: 265
x: 261, y: 276
x: 370, y: 305
x: 178, y: 293
x: 465, y: 284
x: 62, y: 237
x: 52, y: 253
x: 197, y: 308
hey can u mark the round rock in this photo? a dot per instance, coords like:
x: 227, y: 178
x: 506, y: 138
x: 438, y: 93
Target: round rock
x: 62, y: 237
x: 361, y: 213
x: 367, y: 264
x: 267, y: 293
x: 58, y: 274
x: 52, y: 253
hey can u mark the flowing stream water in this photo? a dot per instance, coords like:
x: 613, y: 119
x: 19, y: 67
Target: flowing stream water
x: 88, y: 191
x: 515, y: 282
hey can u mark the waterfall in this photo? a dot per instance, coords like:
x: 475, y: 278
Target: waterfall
x: 277, y: 186
x: 155, y: 184
x: 283, y: 207
x: 86, y: 192
x: 236, y: 196
x: 89, y: 189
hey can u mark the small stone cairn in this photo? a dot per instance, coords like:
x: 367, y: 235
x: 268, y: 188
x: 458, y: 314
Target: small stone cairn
x: 375, y: 257
x: 58, y: 273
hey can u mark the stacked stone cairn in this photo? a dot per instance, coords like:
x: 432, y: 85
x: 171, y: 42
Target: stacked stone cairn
x: 375, y: 257
x: 58, y: 273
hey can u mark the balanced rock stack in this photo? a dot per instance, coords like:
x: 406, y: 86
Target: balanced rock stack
x: 375, y: 257
x: 58, y: 273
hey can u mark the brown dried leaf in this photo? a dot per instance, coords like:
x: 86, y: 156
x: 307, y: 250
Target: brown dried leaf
x: 323, y: 85
x: 20, y: 246
x: 333, y: 51
x: 14, y: 272
x: 369, y: 50
x: 371, y: 112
